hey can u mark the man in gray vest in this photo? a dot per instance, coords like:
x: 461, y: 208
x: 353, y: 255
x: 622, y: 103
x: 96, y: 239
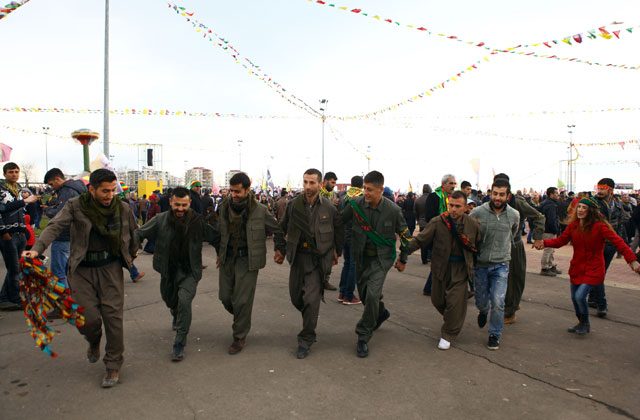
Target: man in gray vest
x: 375, y: 223
x: 178, y: 234
x: 314, y: 235
x: 243, y: 223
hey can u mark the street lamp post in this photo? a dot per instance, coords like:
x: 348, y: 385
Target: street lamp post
x: 105, y: 111
x: 85, y: 137
x: 46, y: 147
x: 368, y: 159
x: 570, y: 175
x: 240, y: 153
x: 323, y: 108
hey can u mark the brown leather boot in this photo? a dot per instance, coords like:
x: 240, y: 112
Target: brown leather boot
x: 237, y: 346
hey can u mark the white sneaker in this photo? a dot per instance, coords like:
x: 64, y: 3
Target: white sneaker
x: 444, y: 344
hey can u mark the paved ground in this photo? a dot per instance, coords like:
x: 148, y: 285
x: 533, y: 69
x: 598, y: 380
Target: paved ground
x: 539, y: 372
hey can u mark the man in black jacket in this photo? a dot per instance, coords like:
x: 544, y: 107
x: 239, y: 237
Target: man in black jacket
x: 196, y: 197
x: 549, y: 208
x: 65, y: 190
x: 420, y: 211
x: 12, y: 232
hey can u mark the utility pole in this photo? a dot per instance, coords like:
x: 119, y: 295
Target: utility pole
x: 46, y: 147
x: 240, y: 154
x: 105, y: 110
x: 323, y: 108
x: 570, y: 168
x: 368, y: 159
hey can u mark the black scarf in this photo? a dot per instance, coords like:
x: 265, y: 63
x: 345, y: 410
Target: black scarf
x: 105, y: 220
x: 236, y: 214
x: 185, y: 229
x: 300, y: 219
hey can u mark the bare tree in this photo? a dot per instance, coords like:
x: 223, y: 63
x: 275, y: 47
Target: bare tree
x: 28, y: 172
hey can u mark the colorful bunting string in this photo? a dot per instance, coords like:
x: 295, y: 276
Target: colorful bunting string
x: 414, y: 98
x: 11, y: 7
x: 246, y: 63
x: 521, y: 114
x: 145, y: 112
x: 604, y: 32
x: 41, y: 292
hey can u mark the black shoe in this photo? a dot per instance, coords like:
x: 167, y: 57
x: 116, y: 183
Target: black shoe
x: 362, y: 349
x: 583, y: 328
x: 592, y: 304
x: 178, y: 352
x: 381, y: 318
x: 602, y: 312
x: 93, y: 352
x: 482, y: 320
x: 555, y: 270
x: 548, y: 272
x: 574, y: 328
x: 493, y: 343
x: 302, y: 352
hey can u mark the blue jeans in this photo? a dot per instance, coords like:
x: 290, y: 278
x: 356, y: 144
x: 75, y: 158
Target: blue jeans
x: 11, y: 251
x: 490, y: 290
x: 579, y: 295
x: 60, y: 260
x: 348, y: 275
x: 597, y: 293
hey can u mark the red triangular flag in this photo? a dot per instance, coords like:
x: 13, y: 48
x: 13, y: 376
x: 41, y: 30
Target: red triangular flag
x: 617, y: 34
x: 577, y: 38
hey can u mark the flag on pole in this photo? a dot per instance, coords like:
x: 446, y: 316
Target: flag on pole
x: 5, y: 152
x: 269, y: 181
x: 410, y: 187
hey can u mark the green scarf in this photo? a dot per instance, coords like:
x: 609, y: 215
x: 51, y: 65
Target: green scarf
x: 13, y: 188
x: 444, y: 200
x: 105, y: 220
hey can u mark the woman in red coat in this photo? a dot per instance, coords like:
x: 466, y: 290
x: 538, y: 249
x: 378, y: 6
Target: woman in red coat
x: 587, y: 230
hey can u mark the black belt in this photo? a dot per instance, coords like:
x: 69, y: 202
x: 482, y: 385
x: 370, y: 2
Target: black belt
x: 98, y: 259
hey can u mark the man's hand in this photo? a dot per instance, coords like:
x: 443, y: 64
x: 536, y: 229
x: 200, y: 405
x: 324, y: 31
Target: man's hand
x: 538, y: 244
x: 335, y: 258
x: 31, y: 199
x: 278, y: 258
x: 30, y: 254
x: 635, y: 266
x: 217, y: 262
x: 400, y: 266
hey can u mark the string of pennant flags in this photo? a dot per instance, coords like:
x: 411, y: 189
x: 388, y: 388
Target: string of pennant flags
x: 615, y: 30
x: 252, y: 68
x: 11, y: 7
x: 142, y: 111
x: 417, y: 97
x: 521, y: 114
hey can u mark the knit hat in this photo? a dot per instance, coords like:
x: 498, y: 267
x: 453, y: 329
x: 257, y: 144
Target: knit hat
x: 195, y: 184
x: 588, y: 202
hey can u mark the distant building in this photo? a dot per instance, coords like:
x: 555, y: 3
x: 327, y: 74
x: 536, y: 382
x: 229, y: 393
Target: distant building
x: 201, y: 174
x: 131, y: 178
x: 229, y: 175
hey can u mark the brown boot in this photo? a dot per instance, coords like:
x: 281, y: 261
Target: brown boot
x: 510, y: 319
x: 111, y: 378
x: 237, y: 346
x: 93, y: 352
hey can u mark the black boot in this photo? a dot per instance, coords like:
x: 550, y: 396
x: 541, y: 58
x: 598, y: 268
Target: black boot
x: 583, y: 326
x: 575, y: 327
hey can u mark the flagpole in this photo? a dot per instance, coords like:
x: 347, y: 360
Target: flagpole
x: 105, y: 109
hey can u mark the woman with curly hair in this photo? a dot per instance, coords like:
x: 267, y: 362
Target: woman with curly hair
x: 588, y: 230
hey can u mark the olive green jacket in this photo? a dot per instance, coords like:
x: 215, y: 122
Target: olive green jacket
x: 159, y: 228
x: 437, y: 236
x: 327, y: 229
x: 388, y: 223
x: 259, y: 221
x: 72, y: 218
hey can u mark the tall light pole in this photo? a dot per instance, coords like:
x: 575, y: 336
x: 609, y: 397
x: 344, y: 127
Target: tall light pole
x: 240, y: 153
x: 570, y: 175
x: 105, y: 111
x: 323, y: 108
x: 46, y: 147
x: 368, y: 159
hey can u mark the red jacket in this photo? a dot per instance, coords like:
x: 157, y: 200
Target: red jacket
x: 587, y: 264
x: 30, y: 233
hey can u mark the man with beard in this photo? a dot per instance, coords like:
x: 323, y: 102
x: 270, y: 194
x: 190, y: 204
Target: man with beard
x: 454, y: 238
x: 499, y: 225
x: 102, y: 229
x: 314, y: 234
x: 518, y: 263
x: 177, y: 256
x: 328, y: 191
x: 611, y: 209
x: 375, y: 223
x: 437, y: 203
x: 243, y: 225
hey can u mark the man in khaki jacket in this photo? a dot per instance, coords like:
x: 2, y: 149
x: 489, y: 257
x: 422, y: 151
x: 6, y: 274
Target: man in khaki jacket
x: 454, y: 238
x: 314, y: 234
x: 102, y: 243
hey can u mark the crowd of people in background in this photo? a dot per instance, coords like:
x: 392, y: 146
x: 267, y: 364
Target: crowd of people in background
x: 474, y: 241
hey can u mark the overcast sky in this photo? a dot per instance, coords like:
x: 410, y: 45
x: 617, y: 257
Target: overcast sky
x: 52, y: 56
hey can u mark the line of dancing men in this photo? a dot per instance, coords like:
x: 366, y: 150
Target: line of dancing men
x: 104, y: 238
